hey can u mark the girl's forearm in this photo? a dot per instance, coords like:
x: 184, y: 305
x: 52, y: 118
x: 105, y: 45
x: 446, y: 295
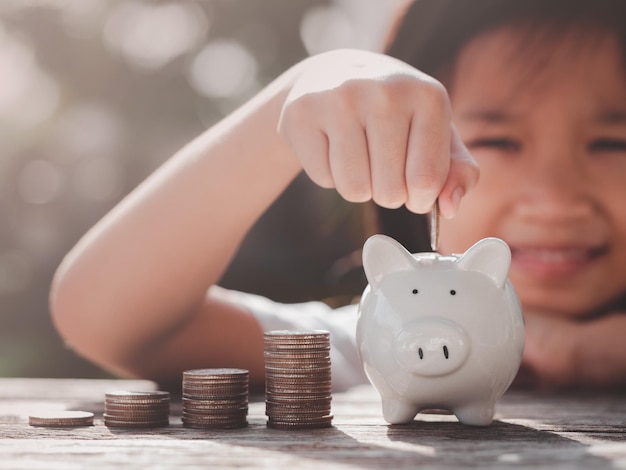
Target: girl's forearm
x: 141, y: 269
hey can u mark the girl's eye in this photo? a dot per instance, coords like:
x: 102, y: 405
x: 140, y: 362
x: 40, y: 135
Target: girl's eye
x: 497, y: 143
x: 608, y: 145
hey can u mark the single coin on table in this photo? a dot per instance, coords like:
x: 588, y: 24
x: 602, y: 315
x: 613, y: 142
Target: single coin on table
x: 56, y: 419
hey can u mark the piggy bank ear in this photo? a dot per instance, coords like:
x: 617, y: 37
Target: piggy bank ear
x: 490, y: 256
x: 382, y: 255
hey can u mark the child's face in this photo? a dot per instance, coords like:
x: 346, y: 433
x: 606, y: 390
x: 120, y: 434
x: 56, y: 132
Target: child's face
x: 549, y: 134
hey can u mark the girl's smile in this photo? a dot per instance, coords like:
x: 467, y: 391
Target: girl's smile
x: 553, y: 262
x: 549, y: 134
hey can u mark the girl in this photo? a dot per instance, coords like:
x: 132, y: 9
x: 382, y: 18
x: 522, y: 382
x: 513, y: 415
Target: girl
x: 531, y: 93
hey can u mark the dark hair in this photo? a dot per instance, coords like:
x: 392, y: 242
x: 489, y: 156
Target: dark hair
x: 430, y: 34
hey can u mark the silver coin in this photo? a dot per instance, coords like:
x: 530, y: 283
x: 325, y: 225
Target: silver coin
x: 61, y: 419
x: 290, y: 411
x: 222, y: 397
x: 306, y: 362
x: 297, y: 383
x: 299, y: 377
x: 296, y: 419
x: 297, y: 386
x: 136, y: 414
x: 138, y: 401
x: 214, y: 391
x: 310, y: 368
x: 115, y: 423
x: 299, y: 404
x: 217, y: 414
x: 304, y: 334
x: 302, y: 356
x: 218, y: 372
x: 295, y: 425
x: 434, y: 226
x: 214, y: 401
x: 216, y: 379
x: 207, y: 425
x: 158, y: 418
x: 130, y: 395
x: 235, y: 411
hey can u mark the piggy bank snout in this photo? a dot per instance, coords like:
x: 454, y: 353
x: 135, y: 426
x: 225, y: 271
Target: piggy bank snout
x: 431, y: 347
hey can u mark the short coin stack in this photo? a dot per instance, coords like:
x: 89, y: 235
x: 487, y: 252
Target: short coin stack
x: 297, y: 379
x: 215, y: 398
x: 125, y: 409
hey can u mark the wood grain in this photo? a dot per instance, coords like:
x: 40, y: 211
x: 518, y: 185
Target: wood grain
x: 530, y: 431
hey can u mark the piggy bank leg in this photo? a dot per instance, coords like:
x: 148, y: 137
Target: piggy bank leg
x: 475, y: 414
x: 397, y: 412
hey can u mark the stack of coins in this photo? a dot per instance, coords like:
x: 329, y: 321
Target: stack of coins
x: 297, y: 379
x: 215, y: 398
x: 136, y: 409
x: 61, y: 419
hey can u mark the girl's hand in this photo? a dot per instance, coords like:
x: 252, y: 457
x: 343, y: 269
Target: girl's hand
x: 374, y: 127
x: 564, y: 352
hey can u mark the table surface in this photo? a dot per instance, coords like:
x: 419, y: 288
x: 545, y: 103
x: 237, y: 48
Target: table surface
x: 531, y: 430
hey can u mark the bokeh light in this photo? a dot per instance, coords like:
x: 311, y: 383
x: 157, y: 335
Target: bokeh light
x: 326, y: 27
x: 86, y: 129
x: 81, y: 19
x: 96, y: 94
x: 261, y: 40
x: 150, y: 34
x: 39, y: 182
x: 39, y: 235
x: 98, y: 179
x: 28, y: 94
x: 223, y: 69
x: 16, y: 271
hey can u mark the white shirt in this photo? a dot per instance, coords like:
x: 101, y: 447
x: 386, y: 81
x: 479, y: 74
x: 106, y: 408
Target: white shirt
x: 347, y: 370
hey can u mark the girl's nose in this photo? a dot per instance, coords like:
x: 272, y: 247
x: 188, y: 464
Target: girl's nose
x: 555, y: 189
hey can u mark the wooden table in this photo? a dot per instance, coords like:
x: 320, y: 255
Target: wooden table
x: 530, y: 431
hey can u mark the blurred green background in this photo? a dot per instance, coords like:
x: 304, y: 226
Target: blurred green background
x: 95, y: 94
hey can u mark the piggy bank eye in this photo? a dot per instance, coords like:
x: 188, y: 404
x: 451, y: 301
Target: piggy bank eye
x: 415, y: 291
x: 452, y: 292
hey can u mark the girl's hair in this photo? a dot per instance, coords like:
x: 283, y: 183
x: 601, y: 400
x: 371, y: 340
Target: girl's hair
x: 429, y: 34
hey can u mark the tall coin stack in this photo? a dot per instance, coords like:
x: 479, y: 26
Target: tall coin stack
x: 297, y: 379
x: 136, y: 409
x: 215, y: 398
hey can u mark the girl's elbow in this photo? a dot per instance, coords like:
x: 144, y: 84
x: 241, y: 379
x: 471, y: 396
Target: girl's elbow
x: 70, y: 312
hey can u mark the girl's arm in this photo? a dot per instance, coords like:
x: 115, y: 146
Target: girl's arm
x: 132, y: 295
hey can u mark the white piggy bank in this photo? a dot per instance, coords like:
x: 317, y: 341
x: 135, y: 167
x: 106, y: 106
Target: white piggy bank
x: 437, y: 331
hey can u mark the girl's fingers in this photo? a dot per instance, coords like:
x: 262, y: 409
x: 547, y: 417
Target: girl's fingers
x: 349, y: 161
x: 374, y: 127
x: 309, y: 143
x: 428, y: 150
x: 387, y: 144
x: 462, y: 176
x: 312, y: 148
x: 394, y: 161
